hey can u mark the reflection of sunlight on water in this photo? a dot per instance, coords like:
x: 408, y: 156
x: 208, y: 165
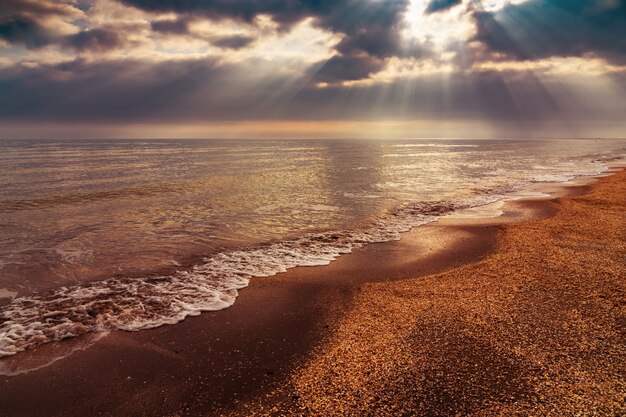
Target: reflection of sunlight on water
x: 414, y: 154
x: 68, y: 207
x: 432, y: 145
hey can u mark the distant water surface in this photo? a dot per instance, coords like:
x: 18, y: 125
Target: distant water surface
x: 100, y: 235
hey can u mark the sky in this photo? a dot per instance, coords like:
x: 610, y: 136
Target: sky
x: 312, y: 68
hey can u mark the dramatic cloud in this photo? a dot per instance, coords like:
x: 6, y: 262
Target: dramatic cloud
x: 370, y: 28
x: 32, y: 23
x: 25, y: 31
x: 233, y: 42
x: 96, y: 40
x: 348, y: 68
x: 538, y: 29
x: 36, y: 24
x: 441, y: 5
x: 36, y: 8
x: 186, y: 61
x: 171, y: 26
x: 181, y: 26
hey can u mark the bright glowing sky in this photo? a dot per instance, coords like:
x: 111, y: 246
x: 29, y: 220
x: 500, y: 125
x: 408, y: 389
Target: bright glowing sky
x: 312, y: 68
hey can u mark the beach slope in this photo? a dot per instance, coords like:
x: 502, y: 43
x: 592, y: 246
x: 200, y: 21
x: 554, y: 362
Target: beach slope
x: 536, y: 328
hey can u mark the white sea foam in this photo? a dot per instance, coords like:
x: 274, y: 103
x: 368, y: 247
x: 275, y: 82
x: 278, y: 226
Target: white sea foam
x: 567, y: 171
x: 135, y: 304
x: 142, y: 303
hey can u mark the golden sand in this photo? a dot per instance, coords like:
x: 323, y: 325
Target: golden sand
x: 536, y: 328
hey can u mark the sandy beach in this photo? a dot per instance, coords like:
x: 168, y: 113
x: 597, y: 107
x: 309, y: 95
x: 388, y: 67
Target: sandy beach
x: 518, y: 315
x: 239, y: 208
x: 534, y: 328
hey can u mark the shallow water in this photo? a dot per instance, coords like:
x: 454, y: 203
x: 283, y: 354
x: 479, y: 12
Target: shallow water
x: 101, y: 235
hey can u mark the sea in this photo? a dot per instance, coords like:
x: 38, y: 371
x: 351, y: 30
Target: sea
x: 102, y: 235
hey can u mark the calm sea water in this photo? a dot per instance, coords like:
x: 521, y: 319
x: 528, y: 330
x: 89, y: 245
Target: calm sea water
x: 101, y: 235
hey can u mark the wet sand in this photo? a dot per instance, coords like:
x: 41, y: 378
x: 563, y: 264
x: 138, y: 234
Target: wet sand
x: 342, y: 339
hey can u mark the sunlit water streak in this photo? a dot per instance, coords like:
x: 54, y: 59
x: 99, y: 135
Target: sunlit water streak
x: 104, y: 235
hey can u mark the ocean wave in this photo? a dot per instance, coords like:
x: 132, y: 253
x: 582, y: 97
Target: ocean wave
x: 142, y: 303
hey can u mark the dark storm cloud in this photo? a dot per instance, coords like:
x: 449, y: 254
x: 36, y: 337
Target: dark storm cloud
x: 371, y: 33
x: 21, y: 22
x: 32, y: 35
x: 441, y: 5
x: 26, y: 31
x: 34, y: 8
x: 180, y: 26
x: 539, y: 29
x: 370, y: 28
x: 171, y: 26
x: 96, y: 40
x: 348, y: 68
x: 29, y: 24
x: 233, y: 42
x: 283, y: 11
x: 341, y: 16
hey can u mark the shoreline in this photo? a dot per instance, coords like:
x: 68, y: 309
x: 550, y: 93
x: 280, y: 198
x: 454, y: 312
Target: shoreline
x: 183, y: 282
x: 213, y: 363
